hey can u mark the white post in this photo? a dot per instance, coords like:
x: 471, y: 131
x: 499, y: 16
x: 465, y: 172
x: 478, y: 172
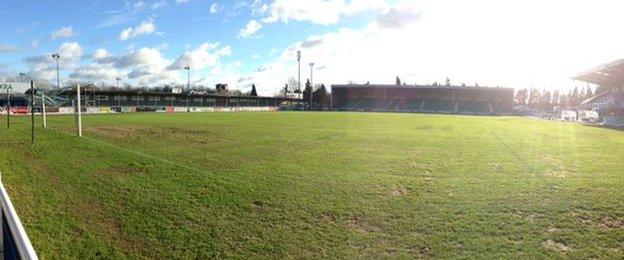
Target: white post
x: 2, y: 226
x: 79, y: 122
x: 43, y: 111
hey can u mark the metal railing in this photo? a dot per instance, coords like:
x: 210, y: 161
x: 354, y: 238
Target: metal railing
x: 18, y: 245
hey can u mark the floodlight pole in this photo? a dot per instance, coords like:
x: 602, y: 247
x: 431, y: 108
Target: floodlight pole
x: 79, y: 114
x: 43, y: 110
x: 32, y: 112
x: 188, y: 83
x: 56, y: 56
x: 311, y: 86
x: 118, y: 97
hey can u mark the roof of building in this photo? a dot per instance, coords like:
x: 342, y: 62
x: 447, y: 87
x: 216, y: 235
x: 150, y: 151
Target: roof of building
x: 614, y: 96
x: 608, y: 75
x: 416, y: 86
x: 149, y: 93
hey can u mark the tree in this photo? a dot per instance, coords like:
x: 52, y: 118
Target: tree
x: 321, y: 96
x: 398, y: 81
x: 521, y: 97
x: 307, y: 91
x: 253, y: 91
x: 588, y: 94
x: 293, y: 84
x: 546, y: 101
x: 556, y: 99
x: 575, y: 97
x: 448, y: 82
x: 534, y: 98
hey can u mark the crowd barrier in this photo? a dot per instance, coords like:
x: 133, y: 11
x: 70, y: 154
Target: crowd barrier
x: 15, y: 110
x: 163, y: 109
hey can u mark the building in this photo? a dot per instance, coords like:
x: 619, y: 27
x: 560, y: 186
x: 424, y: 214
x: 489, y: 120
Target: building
x: 423, y: 99
x: 609, y: 99
x: 155, y: 101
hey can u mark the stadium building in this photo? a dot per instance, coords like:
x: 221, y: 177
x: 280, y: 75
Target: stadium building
x: 133, y: 100
x: 609, y: 102
x: 423, y: 99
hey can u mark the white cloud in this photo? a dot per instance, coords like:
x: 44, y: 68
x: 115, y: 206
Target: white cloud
x: 206, y: 55
x: 159, y: 4
x: 214, y: 8
x: 100, y: 54
x: 255, y: 56
x: 34, y: 43
x: 64, y: 32
x: 145, y: 66
x: 145, y: 28
x: 181, y: 1
x: 5, y: 48
x: 95, y: 72
x: 462, y: 40
x: 250, y: 29
x: 398, y: 16
x: 323, y: 12
x: 43, y: 66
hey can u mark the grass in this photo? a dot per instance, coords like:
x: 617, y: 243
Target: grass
x: 337, y: 185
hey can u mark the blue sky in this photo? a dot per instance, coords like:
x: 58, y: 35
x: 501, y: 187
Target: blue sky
x: 517, y: 43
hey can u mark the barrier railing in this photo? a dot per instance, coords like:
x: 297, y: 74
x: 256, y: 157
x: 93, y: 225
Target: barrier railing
x: 15, y: 243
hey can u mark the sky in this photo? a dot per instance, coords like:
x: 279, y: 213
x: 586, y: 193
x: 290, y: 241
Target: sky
x: 519, y: 44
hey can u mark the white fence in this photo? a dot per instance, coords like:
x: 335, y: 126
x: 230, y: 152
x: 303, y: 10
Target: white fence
x: 19, y: 245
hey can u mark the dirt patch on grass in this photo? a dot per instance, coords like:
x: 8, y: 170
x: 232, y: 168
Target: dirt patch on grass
x: 497, y: 167
x: 359, y: 224
x: 556, y: 246
x: 121, y: 131
x: 448, y: 128
x: 611, y: 223
x: 421, y: 167
x: 552, y: 229
x: 180, y: 130
x: 558, y: 168
x: 328, y: 216
x: 423, y: 127
x: 584, y: 217
x: 258, y: 206
x: 105, y: 226
x: 399, y: 191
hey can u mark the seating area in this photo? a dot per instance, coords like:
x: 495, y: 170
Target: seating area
x: 478, y: 108
x: 439, y: 106
x: 423, y: 99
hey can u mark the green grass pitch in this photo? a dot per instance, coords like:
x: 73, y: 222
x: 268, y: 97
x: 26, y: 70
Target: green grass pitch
x: 319, y: 185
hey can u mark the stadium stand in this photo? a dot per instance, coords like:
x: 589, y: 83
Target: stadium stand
x: 423, y: 99
x: 154, y: 100
x: 609, y: 103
